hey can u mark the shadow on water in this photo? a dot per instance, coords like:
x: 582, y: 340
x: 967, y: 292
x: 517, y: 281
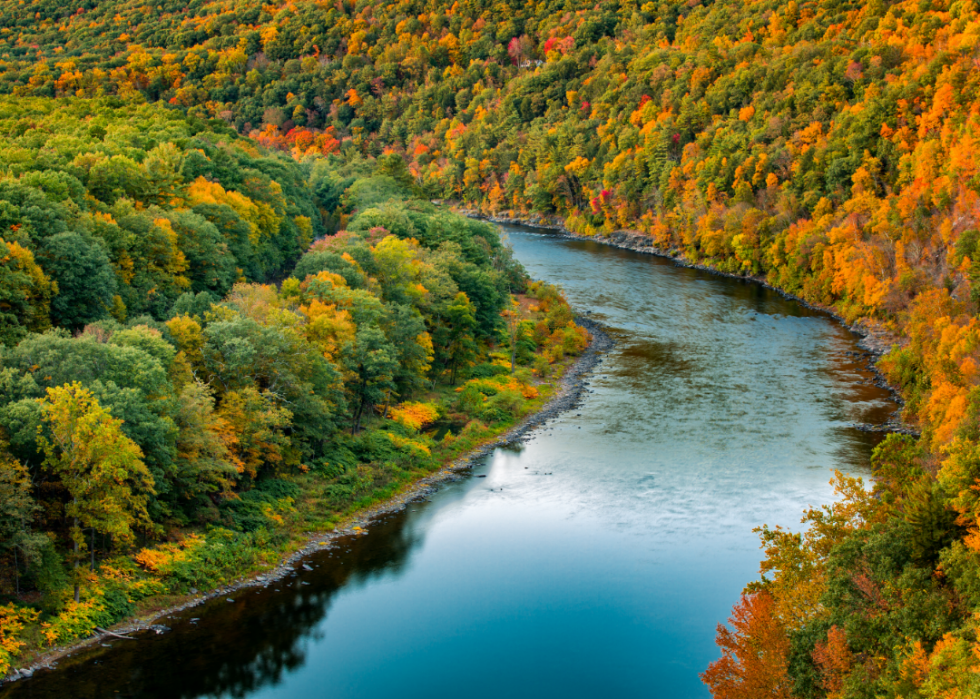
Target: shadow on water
x: 234, y: 648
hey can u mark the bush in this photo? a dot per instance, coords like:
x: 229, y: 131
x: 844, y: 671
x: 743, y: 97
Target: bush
x: 487, y: 371
x: 262, y: 506
x: 504, y: 406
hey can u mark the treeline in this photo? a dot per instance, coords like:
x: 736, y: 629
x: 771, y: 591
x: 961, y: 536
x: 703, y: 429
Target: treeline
x: 168, y: 421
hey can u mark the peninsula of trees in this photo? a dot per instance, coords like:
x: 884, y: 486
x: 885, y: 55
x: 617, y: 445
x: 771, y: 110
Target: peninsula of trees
x: 185, y: 394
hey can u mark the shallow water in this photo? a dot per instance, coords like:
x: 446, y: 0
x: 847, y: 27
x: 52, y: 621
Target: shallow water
x: 595, y: 560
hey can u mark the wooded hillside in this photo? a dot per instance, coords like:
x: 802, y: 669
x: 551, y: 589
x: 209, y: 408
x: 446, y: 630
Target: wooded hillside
x: 168, y: 421
x: 829, y: 146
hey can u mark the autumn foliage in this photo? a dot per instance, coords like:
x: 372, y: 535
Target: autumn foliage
x: 755, y: 653
x: 161, y: 170
x: 12, y: 622
x: 414, y: 415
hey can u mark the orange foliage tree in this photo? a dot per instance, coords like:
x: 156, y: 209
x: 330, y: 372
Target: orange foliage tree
x: 755, y: 653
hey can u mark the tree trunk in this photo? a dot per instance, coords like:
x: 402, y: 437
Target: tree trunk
x: 357, y: 419
x: 75, y: 564
x: 93, y: 550
x: 360, y: 409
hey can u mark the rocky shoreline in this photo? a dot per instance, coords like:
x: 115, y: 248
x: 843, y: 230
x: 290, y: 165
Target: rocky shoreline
x: 874, y: 340
x: 570, y: 391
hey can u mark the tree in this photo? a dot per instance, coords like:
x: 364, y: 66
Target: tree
x: 130, y: 382
x: 114, y: 177
x: 86, y: 282
x: 17, y: 510
x: 100, y: 468
x: 520, y: 49
x: 405, y: 328
x: 513, y: 317
x: 253, y: 430
x: 755, y: 653
x: 25, y: 293
x: 211, y: 265
x: 374, y: 362
x: 460, y: 346
x: 203, y: 463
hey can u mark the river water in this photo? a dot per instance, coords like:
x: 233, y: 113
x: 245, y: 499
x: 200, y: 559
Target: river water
x: 594, y: 560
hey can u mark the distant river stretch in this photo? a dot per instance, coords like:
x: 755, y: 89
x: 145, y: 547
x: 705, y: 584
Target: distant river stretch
x: 593, y: 561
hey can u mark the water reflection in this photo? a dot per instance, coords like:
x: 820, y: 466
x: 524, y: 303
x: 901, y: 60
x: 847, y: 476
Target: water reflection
x: 233, y: 648
x: 595, y: 559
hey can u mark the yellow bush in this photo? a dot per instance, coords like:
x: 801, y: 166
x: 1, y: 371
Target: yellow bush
x: 77, y: 620
x: 159, y: 559
x: 414, y: 415
x: 490, y: 387
x: 12, y: 622
x: 409, y: 444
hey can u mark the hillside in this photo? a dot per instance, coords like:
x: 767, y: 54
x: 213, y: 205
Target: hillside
x: 828, y: 146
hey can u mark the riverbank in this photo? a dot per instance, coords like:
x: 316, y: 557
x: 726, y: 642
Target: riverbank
x: 874, y: 339
x: 568, y: 392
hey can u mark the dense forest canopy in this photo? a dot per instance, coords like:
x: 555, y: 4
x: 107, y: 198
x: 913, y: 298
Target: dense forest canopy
x: 128, y: 208
x: 196, y: 367
x: 828, y: 146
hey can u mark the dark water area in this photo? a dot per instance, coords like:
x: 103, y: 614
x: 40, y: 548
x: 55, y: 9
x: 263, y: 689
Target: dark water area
x: 594, y: 560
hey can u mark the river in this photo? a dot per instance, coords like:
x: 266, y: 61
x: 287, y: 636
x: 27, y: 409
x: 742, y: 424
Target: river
x: 594, y: 560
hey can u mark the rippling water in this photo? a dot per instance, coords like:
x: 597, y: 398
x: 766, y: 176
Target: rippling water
x: 595, y: 560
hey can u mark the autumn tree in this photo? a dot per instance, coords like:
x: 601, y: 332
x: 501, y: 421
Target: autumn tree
x: 755, y: 653
x: 25, y: 293
x: 253, y: 431
x: 100, y: 468
x: 204, y: 462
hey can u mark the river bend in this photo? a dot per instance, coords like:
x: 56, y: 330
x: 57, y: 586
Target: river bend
x: 594, y: 560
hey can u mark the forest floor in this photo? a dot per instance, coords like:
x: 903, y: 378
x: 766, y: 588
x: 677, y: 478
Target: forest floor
x: 568, y: 393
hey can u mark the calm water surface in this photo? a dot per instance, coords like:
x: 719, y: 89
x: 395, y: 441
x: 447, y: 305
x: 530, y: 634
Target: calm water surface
x: 595, y: 560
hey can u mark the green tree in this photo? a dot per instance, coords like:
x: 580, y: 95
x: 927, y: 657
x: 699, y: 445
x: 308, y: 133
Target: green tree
x: 86, y: 282
x: 460, y: 348
x: 101, y: 469
x: 17, y: 511
x: 374, y: 361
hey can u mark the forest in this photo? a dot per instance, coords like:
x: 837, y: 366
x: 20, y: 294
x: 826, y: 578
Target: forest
x: 825, y: 146
x: 198, y: 368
